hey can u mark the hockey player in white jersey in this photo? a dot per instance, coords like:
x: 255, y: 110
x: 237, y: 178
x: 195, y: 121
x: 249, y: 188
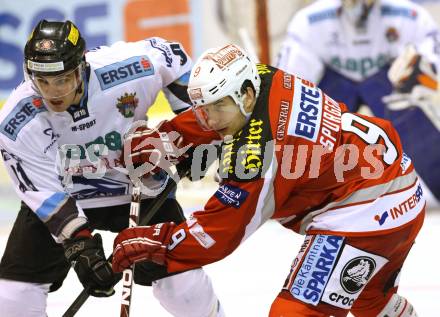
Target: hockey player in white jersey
x: 347, y: 46
x: 61, y: 136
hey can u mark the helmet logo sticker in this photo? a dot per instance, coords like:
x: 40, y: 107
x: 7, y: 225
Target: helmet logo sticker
x: 225, y: 56
x: 45, y: 45
x: 195, y: 93
x: 127, y: 104
x: 356, y: 273
x: 73, y: 35
x: 45, y: 67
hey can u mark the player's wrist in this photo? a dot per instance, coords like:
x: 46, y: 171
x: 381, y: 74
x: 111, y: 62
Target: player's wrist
x: 72, y: 227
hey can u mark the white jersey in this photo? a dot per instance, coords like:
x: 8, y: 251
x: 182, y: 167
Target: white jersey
x: 320, y: 36
x: 121, y: 83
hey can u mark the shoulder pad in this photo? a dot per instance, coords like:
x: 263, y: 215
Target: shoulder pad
x: 24, y: 111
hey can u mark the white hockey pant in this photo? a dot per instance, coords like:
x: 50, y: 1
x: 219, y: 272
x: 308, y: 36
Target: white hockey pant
x: 18, y: 299
x: 188, y: 294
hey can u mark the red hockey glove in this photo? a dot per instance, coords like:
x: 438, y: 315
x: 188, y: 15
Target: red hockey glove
x: 161, y: 147
x: 148, y: 243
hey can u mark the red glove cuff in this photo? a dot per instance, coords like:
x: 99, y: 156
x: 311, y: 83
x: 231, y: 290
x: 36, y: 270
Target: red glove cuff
x: 137, y: 244
x: 86, y: 233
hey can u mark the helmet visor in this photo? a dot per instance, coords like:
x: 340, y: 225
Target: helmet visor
x: 216, y: 115
x: 202, y: 117
x: 54, y: 87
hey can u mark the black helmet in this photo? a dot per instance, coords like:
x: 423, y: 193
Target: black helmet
x: 54, y: 48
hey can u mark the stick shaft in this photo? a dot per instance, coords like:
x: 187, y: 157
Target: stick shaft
x: 127, y: 274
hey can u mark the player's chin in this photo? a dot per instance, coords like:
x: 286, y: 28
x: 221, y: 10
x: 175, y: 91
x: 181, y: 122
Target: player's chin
x: 57, y: 105
x: 223, y: 131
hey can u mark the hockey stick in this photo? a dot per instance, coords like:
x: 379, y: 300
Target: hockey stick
x: 127, y: 274
x: 154, y: 207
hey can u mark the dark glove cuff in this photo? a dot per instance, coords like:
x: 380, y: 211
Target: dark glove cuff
x: 77, y: 245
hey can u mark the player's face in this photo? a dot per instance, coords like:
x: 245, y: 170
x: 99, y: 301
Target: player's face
x: 59, y: 92
x: 222, y: 116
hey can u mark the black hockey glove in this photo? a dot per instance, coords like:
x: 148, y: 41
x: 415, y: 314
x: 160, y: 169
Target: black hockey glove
x: 88, y: 259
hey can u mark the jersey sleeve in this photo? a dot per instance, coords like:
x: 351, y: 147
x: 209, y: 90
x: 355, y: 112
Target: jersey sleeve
x: 232, y: 214
x: 173, y: 65
x: 36, y: 180
x: 297, y: 56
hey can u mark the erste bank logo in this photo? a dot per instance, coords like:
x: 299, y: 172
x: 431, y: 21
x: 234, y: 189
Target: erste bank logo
x: 124, y: 71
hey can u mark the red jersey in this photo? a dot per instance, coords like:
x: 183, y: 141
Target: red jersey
x: 304, y: 161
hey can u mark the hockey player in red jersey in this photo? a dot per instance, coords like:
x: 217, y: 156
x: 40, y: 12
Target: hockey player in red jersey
x: 293, y: 154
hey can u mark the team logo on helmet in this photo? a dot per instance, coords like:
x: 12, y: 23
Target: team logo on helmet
x: 195, y: 93
x: 225, y: 56
x: 45, y: 45
x: 356, y: 273
x: 127, y: 104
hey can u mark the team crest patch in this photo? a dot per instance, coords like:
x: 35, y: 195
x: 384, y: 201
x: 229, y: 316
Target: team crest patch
x: 392, y: 35
x: 127, y: 104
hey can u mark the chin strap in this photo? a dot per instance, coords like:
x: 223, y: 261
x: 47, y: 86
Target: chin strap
x: 80, y: 89
x: 240, y: 103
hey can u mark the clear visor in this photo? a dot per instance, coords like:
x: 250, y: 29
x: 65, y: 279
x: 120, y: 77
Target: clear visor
x: 55, y: 87
x: 215, y: 116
